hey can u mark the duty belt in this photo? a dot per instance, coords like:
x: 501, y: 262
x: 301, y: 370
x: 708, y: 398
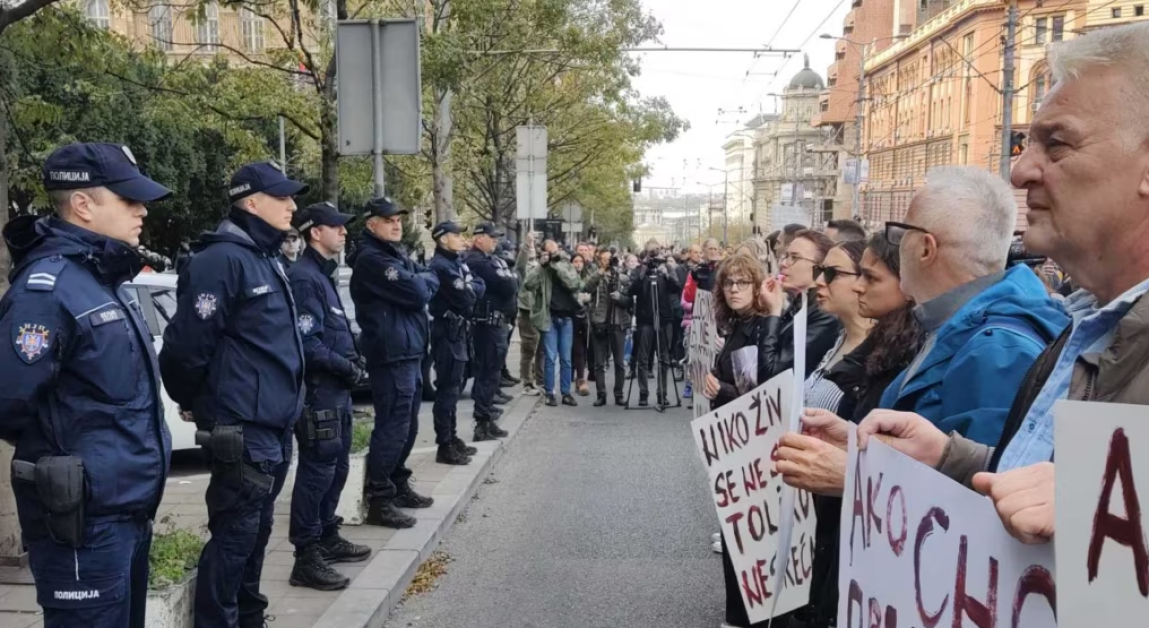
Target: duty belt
x: 495, y: 318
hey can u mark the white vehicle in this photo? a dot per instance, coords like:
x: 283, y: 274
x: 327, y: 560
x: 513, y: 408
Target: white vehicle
x: 156, y: 293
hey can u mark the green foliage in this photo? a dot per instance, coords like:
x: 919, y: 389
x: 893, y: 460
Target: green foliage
x: 172, y: 556
x: 361, y: 435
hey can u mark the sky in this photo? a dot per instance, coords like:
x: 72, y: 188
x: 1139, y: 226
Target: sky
x: 720, y: 91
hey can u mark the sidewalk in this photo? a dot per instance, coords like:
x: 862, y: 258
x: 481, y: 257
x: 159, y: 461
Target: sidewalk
x: 377, y: 584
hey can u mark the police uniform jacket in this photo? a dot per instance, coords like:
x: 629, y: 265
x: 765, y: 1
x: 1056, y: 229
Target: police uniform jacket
x: 328, y: 343
x: 502, y: 284
x: 232, y: 352
x: 80, y: 376
x: 458, y: 292
x: 391, y: 293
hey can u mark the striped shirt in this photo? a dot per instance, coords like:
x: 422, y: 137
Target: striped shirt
x: 821, y: 392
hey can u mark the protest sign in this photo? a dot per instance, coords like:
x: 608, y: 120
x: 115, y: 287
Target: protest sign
x: 1102, y: 561
x: 919, y: 550
x: 738, y: 442
x: 702, y: 347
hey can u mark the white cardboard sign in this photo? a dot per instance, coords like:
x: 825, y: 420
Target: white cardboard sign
x: 738, y: 442
x: 918, y: 550
x: 702, y: 347
x: 1102, y: 484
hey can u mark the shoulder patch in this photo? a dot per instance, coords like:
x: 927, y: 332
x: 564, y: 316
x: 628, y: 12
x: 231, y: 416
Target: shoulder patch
x: 33, y: 341
x: 205, y: 305
x: 306, y: 323
x: 392, y: 273
x: 458, y: 283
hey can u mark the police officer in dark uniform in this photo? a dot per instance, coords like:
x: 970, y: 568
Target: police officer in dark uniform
x: 323, y: 433
x: 451, y: 310
x: 81, y: 397
x: 492, y: 320
x: 391, y: 293
x: 233, y: 355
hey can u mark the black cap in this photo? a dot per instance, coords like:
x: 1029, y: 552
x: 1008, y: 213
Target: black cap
x: 320, y: 214
x: 263, y: 176
x: 444, y: 228
x: 111, y: 166
x: 383, y: 208
x: 488, y: 228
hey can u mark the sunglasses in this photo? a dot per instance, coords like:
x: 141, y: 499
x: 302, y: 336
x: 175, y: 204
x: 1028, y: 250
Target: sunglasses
x: 895, y: 231
x: 831, y: 273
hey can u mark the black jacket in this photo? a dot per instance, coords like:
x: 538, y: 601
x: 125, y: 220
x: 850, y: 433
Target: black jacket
x: 391, y: 293
x: 668, y: 292
x: 776, y: 350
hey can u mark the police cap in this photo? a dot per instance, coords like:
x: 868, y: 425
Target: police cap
x: 320, y: 214
x: 383, y: 208
x: 489, y: 229
x: 111, y: 166
x: 263, y: 176
x: 444, y: 228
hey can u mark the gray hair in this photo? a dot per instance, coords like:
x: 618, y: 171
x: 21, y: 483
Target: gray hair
x: 970, y: 209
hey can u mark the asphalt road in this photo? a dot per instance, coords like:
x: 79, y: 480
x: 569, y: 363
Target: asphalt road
x: 595, y: 517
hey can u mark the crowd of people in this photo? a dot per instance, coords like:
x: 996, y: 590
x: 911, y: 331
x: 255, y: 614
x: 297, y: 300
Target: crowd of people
x: 948, y: 338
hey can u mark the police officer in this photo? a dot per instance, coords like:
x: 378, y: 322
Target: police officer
x: 391, y: 293
x: 492, y: 314
x: 451, y: 310
x: 233, y: 355
x: 81, y: 396
x: 324, y: 431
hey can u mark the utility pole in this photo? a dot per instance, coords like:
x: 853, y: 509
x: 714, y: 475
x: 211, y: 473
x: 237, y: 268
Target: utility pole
x: 1008, y: 89
x: 859, y: 120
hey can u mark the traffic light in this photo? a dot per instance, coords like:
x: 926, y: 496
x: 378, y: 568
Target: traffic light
x: 1016, y: 144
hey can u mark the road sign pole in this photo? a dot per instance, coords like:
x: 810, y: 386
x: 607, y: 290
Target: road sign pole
x: 376, y: 92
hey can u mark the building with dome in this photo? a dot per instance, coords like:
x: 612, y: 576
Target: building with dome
x: 791, y: 182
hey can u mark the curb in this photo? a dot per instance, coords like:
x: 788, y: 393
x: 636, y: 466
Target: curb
x: 368, y: 600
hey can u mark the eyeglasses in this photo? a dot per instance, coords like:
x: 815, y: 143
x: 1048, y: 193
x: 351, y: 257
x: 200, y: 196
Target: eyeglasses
x: 794, y: 258
x: 832, y: 273
x: 895, y: 231
x: 737, y: 285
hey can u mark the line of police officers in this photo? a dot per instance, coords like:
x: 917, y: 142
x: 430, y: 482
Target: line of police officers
x: 257, y: 353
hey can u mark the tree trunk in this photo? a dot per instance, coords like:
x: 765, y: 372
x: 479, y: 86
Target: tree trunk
x: 5, y: 204
x: 442, y: 184
x: 329, y: 143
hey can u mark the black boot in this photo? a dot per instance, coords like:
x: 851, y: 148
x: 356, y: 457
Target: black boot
x: 551, y: 401
x: 408, y: 498
x: 311, y: 571
x: 382, y: 512
x: 569, y: 401
x: 463, y: 448
x: 619, y: 401
x: 642, y: 400
x: 600, y: 401
x: 336, y: 549
x: 496, y: 431
x: 503, y: 398
x: 448, y: 454
x: 507, y: 380
x: 483, y: 431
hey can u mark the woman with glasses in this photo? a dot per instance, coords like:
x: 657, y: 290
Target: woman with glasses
x: 860, y: 376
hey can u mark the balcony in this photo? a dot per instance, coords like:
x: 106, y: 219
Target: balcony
x: 923, y: 33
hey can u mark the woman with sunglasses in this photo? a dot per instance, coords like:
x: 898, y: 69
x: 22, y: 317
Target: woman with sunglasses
x: 861, y: 376
x: 834, y: 281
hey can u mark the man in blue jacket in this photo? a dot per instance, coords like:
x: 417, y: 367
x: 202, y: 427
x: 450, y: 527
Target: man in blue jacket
x: 233, y: 356
x: 451, y: 310
x: 81, y: 397
x: 391, y: 293
x: 985, y: 325
x: 324, y: 431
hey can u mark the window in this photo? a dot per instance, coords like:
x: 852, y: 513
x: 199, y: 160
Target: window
x: 252, y: 30
x: 1058, y: 27
x: 967, y: 45
x: 1040, y: 25
x: 207, y: 27
x: 963, y: 154
x: 1040, y: 86
x: 1116, y: 12
x: 1139, y: 10
x: 160, y: 17
x: 99, y: 13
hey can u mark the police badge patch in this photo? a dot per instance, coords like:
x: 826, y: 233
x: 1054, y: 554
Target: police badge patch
x: 392, y: 274
x: 32, y: 342
x: 458, y: 283
x: 306, y: 323
x: 205, y: 305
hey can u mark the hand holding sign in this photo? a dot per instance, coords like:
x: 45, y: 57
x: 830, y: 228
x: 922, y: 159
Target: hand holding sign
x: 826, y: 426
x: 1024, y: 500
x: 811, y: 464
x: 909, y: 433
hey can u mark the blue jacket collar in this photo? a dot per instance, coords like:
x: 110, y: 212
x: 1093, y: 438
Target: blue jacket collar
x: 31, y: 239
x: 325, y: 266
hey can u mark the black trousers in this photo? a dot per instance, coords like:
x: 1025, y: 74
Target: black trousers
x: 644, y: 340
x: 608, y: 340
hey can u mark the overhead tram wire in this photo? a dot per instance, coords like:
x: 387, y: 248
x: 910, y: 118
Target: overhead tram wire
x: 805, y: 41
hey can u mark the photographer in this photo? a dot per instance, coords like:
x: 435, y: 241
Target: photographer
x: 653, y: 287
x: 554, y: 284
x: 610, y: 304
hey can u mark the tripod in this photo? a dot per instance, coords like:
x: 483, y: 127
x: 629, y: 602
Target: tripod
x: 661, y: 358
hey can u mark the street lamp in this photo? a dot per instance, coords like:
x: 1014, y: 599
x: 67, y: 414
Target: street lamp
x: 859, y: 111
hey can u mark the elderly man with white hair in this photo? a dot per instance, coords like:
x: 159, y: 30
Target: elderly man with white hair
x: 1086, y: 174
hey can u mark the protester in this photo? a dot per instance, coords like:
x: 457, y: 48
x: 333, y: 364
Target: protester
x: 845, y: 231
x: 809, y: 463
x: 554, y: 284
x: 529, y: 335
x: 1089, y: 201
x: 835, y: 280
x: 701, y: 277
x: 610, y: 317
x: 581, y: 347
